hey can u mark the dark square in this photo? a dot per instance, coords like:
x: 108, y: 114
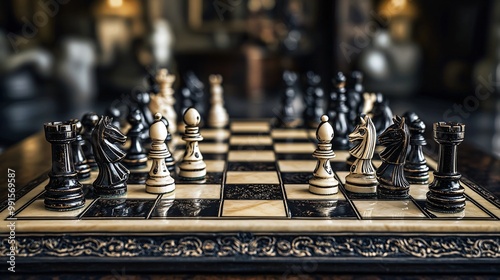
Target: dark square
x: 294, y: 156
x: 120, y: 207
x: 213, y: 140
x: 253, y: 191
x: 296, y: 177
x: 186, y: 208
x: 251, y: 148
x: 321, y: 208
x: 351, y: 195
x: 211, y: 156
x: 210, y: 178
x: 247, y: 133
x: 338, y: 165
x: 251, y: 166
x: 291, y: 140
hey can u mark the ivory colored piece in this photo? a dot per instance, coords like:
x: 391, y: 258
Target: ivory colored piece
x: 192, y: 166
x: 217, y: 116
x: 362, y: 178
x: 323, y: 181
x: 164, y: 101
x: 159, y: 179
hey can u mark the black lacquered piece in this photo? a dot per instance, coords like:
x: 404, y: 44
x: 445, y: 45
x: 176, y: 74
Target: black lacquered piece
x: 355, y: 98
x: 63, y: 192
x: 137, y: 156
x: 416, y: 169
x: 89, y: 121
x: 337, y: 112
x: 112, y: 177
x: 381, y: 114
x: 314, y: 101
x: 445, y: 193
x: 169, y: 160
x: 390, y: 174
x: 287, y: 116
x: 80, y: 161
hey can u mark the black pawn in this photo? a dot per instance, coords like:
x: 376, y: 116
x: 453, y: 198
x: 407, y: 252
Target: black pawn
x: 197, y: 89
x: 445, y: 193
x: 169, y: 160
x: 416, y: 169
x: 354, y: 98
x: 137, y: 156
x: 287, y: 116
x: 338, y: 113
x: 313, y: 100
x: 89, y: 121
x: 63, y: 192
x: 79, y: 160
x: 115, y: 114
x: 381, y: 114
x: 186, y: 101
x: 142, y: 100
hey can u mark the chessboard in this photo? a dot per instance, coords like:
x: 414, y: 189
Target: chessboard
x: 254, y: 206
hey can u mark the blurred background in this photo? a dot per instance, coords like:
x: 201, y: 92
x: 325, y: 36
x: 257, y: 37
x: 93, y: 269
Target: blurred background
x: 62, y: 58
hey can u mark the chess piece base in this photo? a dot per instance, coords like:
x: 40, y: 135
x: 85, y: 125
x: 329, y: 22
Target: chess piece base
x: 114, y: 191
x: 323, y: 186
x: 392, y: 192
x: 361, y: 184
x: 445, y: 194
x: 160, y: 185
x: 192, y: 170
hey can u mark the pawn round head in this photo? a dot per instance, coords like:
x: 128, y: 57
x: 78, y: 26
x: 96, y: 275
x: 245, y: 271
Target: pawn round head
x: 357, y: 76
x: 324, y: 133
x: 78, y: 125
x: 90, y: 119
x: 134, y: 117
x: 192, y: 117
x: 158, y: 130
x: 340, y: 78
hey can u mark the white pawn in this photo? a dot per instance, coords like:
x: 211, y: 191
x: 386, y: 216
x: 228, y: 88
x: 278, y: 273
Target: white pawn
x: 159, y: 179
x: 192, y: 166
x: 217, y: 116
x: 323, y: 181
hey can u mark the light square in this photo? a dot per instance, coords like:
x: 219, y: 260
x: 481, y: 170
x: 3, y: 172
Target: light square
x: 471, y: 211
x: 192, y: 191
x: 342, y: 175
x: 340, y: 156
x: 138, y: 191
x: 254, y: 140
x: 294, y: 147
x: 220, y: 134
x: 251, y: 156
x: 289, y: 134
x: 215, y: 165
x: 250, y: 126
x: 419, y: 191
x: 37, y: 209
x: 253, y: 208
x: 297, y: 165
x: 213, y: 148
x: 252, y: 177
x: 397, y: 209
x: 301, y: 192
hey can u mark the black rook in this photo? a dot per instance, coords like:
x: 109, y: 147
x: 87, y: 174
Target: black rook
x: 445, y: 194
x: 63, y: 192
